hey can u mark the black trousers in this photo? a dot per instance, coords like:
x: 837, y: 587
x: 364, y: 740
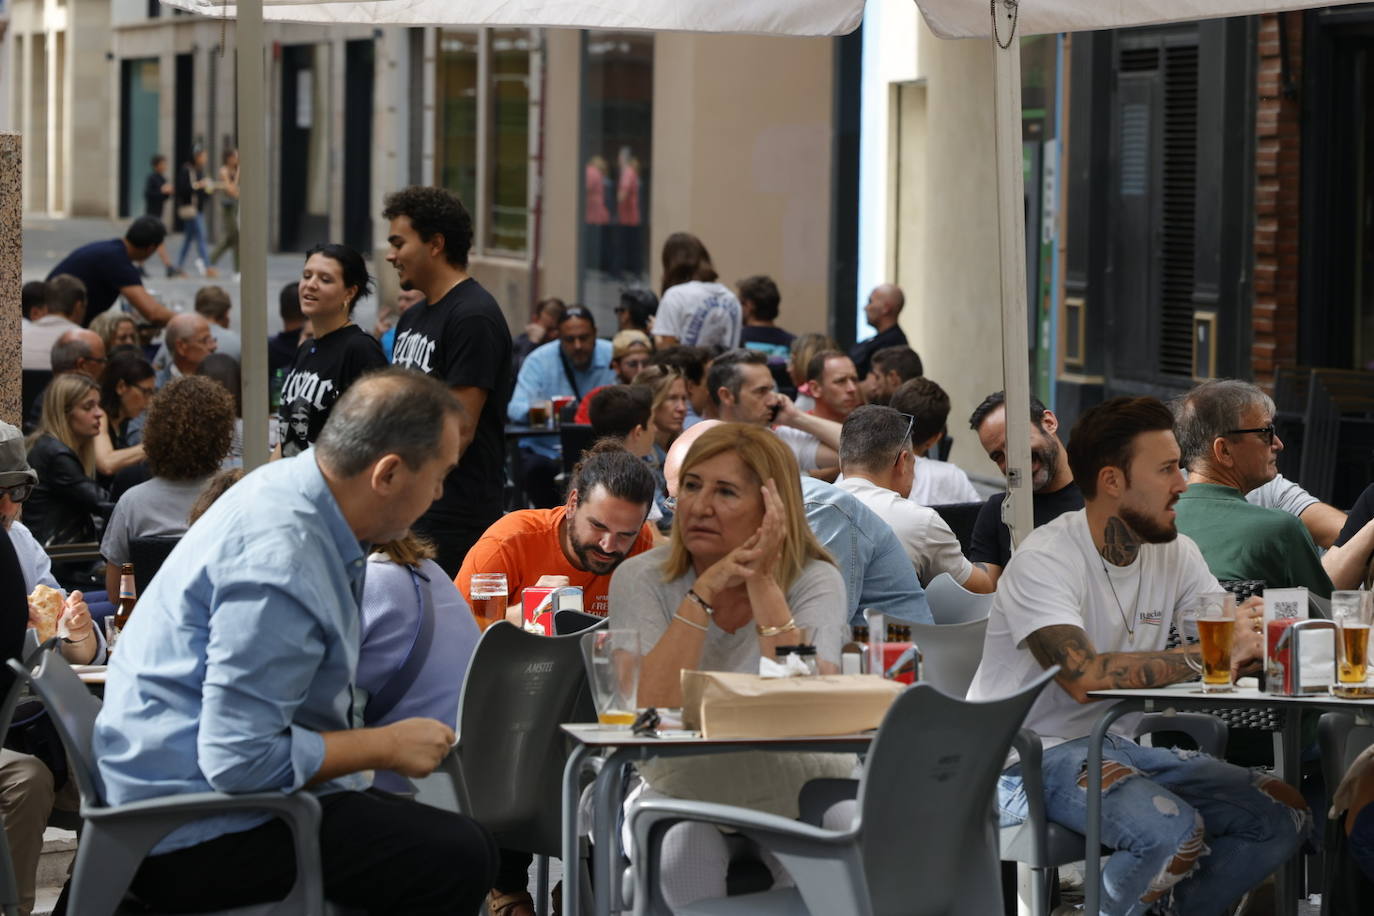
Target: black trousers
x: 451, y: 540
x: 380, y: 853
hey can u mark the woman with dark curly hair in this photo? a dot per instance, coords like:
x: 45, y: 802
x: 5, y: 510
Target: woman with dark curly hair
x: 190, y: 424
x: 334, y: 279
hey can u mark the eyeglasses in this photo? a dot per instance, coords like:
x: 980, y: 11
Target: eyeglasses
x: 906, y: 440
x: 1265, y: 432
x: 17, y: 493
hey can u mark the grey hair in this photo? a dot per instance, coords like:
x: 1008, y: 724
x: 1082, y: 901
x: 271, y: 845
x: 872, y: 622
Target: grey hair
x: 388, y: 412
x: 1209, y: 410
x: 727, y: 371
x: 872, y: 437
x: 69, y: 350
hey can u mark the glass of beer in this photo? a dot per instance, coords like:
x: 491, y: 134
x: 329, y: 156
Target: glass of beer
x: 1211, y: 623
x: 539, y: 413
x: 1351, y: 612
x: 613, y: 661
x: 488, y: 598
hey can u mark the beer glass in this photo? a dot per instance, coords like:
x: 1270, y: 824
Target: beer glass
x: 488, y: 598
x: 1211, y: 623
x: 1351, y: 612
x: 613, y: 668
x: 539, y: 413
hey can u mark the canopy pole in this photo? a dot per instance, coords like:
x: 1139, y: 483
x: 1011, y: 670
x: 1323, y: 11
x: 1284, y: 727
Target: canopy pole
x: 1011, y: 223
x: 252, y: 102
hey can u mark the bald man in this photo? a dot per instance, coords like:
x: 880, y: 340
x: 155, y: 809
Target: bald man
x: 884, y: 305
x: 79, y: 350
x: 189, y: 340
x: 876, y: 570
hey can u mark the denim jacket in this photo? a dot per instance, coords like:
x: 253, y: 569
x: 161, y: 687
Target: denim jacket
x: 876, y: 570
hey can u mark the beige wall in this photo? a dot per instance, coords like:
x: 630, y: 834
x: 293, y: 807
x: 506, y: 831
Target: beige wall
x: 949, y: 273
x: 93, y: 154
x: 742, y: 158
x: 558, y: 231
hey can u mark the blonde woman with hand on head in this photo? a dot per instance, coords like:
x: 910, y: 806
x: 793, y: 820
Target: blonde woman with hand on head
x: 741, y: 575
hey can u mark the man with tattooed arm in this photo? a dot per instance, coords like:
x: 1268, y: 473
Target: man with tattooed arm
x: 1095, y: 592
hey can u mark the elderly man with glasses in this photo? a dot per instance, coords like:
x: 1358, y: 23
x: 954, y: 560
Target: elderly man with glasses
x: 1225, y: 430
x: 879, y: 468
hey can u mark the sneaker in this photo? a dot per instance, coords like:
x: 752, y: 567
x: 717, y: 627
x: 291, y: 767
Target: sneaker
x: 175, y: 271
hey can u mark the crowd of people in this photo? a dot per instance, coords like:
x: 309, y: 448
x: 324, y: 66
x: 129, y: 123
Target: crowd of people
x: 745, y: 484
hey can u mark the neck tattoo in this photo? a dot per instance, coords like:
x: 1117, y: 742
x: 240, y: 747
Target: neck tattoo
x: 1120, y: 545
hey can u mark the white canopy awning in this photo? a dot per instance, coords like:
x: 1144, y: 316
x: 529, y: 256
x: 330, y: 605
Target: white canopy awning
x: 969, y: 18
x: 762, y: 17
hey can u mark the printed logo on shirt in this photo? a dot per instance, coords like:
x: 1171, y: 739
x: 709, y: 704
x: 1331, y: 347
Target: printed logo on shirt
x: 413, y: 350
x: 713, y: 303
x: 1151, y: 618
x: 309, y: 387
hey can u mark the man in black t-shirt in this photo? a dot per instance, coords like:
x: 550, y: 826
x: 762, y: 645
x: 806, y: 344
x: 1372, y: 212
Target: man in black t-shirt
x: 110, y: 270
x: 156, y: 190
x: 883, y: 306
x: 1052, y: 487
x: 458, y: 335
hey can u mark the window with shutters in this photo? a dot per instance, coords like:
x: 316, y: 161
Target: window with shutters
x: 1155, y: 168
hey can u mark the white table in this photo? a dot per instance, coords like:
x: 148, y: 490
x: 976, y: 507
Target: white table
x: 1190, y: 697
x: 624, y: 748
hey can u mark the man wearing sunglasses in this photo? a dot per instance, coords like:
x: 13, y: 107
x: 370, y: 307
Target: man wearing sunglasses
x: 1225, y: 430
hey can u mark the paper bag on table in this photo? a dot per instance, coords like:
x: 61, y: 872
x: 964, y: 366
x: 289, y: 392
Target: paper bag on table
x: 723, y: 704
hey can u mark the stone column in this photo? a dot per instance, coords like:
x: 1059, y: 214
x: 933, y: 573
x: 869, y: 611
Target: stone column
x: 11, y: 274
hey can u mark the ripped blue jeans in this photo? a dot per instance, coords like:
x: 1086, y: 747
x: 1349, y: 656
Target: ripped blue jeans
x: 1169, y: 815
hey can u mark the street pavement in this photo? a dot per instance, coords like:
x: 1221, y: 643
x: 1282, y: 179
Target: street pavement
x: 47, y: 241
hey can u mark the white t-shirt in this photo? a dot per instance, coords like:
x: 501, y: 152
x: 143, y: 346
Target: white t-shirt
x: 1058, y: 578
x: 1282, y: 493
x: 38, y: 337
x: 699, y: 315
x: 927, y: 539
x: 803, y: 445
x: 939, y: 483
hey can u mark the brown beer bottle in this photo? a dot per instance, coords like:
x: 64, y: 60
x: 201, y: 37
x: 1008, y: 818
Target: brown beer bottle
x: 128, y: 597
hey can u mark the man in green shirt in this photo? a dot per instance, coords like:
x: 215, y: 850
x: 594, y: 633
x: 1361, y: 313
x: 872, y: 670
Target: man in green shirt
x: 1225, y: 430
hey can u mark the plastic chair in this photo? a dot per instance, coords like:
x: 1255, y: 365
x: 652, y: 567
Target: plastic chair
x: 147, y: 556
x: 506, y: 771
x: 1042, y: 845
x: 961, y: 518
x: 116, y: 839
x: 574, y: 439
x: 934, y: 763
x: 950, y: 602
x: 1341, y: 738
x: 565, y: 623
x: 950, y: 653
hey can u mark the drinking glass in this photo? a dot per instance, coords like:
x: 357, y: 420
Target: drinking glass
x: 1211, y: 622
x: 1351, y: 612
x: 613, y: 662
x: 488, y: 598
x: 539, y: 413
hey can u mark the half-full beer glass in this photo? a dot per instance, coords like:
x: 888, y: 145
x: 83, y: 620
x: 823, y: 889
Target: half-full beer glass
x: 1211, y: 623
x: 1351, y: 612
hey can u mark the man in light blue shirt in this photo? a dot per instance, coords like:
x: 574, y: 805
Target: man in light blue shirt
x: 571, y: 366
x: 235, y: 673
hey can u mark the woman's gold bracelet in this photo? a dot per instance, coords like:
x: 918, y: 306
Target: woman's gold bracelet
x: 774, y: 631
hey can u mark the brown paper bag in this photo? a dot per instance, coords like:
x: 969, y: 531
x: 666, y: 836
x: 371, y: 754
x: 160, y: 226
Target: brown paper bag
x: 723, y: 704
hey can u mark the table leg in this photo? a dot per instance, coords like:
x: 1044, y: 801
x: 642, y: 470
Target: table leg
x: 1289, y: 877
x: 606, y: 804
x: 572, y: 865
x: 1092, y: 864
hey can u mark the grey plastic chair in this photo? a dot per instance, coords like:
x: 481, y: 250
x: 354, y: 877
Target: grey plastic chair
x: 1043, y: 845
x: 950, y: 602
x: 950, y: 653
x: 506, y: 771
x: 923, y: 841
x: 116, y: 839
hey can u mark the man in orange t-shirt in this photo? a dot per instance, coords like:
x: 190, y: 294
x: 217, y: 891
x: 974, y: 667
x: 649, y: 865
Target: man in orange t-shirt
x: 584, y: 540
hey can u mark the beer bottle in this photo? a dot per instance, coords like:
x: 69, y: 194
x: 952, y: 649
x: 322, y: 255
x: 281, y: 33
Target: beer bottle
x: 128, y: 597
